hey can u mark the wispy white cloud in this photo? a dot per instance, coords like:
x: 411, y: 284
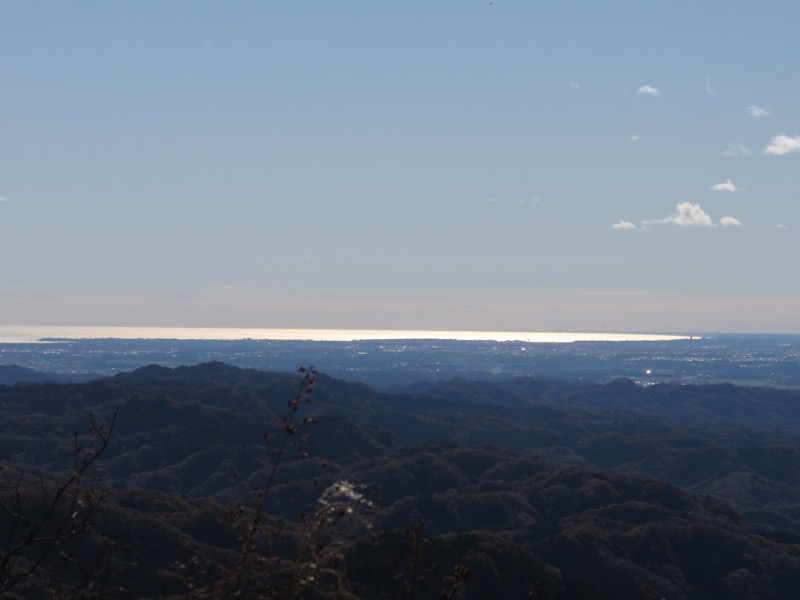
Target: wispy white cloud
x: 757, y: 111
x: 635, y: 138
x: 780, y: 226
x: 709, y: 90
x: 736, y: 150
x: 3, y: 200
x: 574, y: 85
x: 647, y: 90
x: 688, y: 215
x: 728, y: 186
x: 783, y: 144
x: 623, y: 225
x: 729, y: 222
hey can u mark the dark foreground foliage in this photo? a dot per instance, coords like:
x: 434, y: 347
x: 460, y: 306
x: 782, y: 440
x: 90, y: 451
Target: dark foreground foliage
x: 226, y: 483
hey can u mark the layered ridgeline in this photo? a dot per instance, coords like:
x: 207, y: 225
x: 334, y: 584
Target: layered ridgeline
x: 222, y: 482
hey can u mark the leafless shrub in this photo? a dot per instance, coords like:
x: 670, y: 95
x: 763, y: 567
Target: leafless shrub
x: 40, y: 516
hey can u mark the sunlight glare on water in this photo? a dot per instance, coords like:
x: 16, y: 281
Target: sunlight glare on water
x: 30, y: 334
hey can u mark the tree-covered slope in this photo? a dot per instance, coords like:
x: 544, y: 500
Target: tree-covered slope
x: 219, y: 479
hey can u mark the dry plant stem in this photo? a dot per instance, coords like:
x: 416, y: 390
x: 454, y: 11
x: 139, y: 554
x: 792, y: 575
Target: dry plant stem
x: 416, y: 543
x: 65, y: 510
x: 342, y: 511
x: 289, y: 426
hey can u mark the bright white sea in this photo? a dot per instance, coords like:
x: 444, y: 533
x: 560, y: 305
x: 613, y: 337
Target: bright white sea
x: 11, y: 334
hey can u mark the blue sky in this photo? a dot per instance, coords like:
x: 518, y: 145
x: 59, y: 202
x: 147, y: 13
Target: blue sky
x: 514, y: 165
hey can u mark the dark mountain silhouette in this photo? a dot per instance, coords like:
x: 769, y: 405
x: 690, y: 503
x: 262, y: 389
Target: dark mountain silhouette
x: 11, y: 374
x: 520, y: 488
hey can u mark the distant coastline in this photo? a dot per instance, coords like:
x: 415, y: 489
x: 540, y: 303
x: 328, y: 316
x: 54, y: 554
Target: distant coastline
x: 18, y: 334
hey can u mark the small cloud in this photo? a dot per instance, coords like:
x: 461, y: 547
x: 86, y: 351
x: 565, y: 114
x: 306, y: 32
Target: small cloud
x: 623, y: 225
x: 780, y: 226
x: 688, y: 215
x: 490, y: 200
x: 647, y: 90
x: 709, y: 90
x: 728, y: 186
x: 574, y: 85
x: 755, y: 111
x: 537, y: 200
x: 635, y: 138
x: 783, y: 144
x: 736, y: 150
x: 3, y: 200
x: 729, y: 222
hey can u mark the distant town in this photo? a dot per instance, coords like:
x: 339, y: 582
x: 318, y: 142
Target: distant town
x: 753, y: 360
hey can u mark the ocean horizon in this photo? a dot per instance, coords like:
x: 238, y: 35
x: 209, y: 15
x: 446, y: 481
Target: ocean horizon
x: 17, y: 334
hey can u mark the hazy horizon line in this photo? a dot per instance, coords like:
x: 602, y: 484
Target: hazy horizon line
x: 37, y: 333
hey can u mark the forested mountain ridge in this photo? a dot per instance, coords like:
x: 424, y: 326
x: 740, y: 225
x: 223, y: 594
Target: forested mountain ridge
x: 533, y: 487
